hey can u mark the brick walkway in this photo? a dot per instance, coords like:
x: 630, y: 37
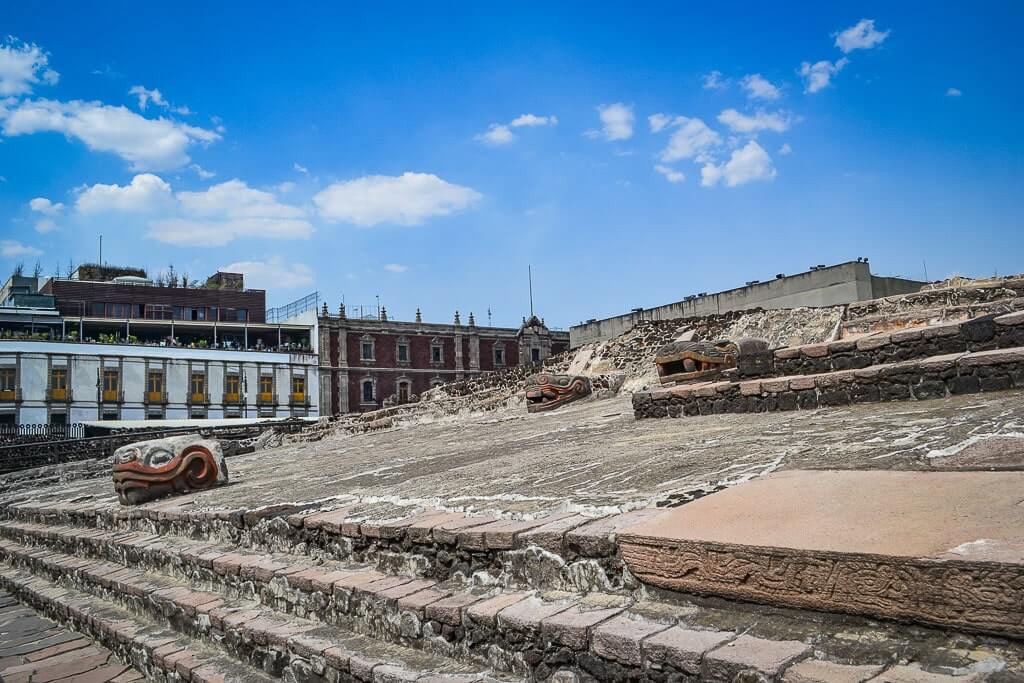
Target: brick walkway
x: 36, y: 650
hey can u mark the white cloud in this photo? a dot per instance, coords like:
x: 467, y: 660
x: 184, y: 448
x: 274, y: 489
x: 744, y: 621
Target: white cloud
x: 954, y: 92
x: 860, y: 36
x: 45, y: 206
x: 22, y: 66
x: 671, y: 175
x: 818, y: 75
x: 45, y: 225
x: 743, y: 123
x: 497, y: 134
x: 501, y: 133
x: 745, y: 165
x: 759, y: 88
x: 202, y: 172
x: 408, y: 199
x: 395, y: 268
x: 300, y: 168
x: 785, y: 149
x: 617, y: 121
x: 285, y: 187
x: 533, y: 120
x: 272, y: 273
x: 152, y: 144
x: 146, y: 96
x: 692, y: 139
x: 11, y: 248
x: 145, y: 193
x: 714, y: 81
x: 658, y: 122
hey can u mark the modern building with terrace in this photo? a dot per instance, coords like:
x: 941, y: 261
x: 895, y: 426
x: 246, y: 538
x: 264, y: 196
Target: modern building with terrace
x: 111, y: 344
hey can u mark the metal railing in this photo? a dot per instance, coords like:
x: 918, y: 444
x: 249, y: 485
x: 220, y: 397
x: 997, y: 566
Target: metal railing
x: 14, y: 434
x: 288, y: 311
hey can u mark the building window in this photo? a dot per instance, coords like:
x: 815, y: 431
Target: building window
x: 109, y: 415
x: 58, y: 418
x: 368, y: 392
x: 436, y: 351
x: 404, y: 391
x: 499, y: 355
x: 266, y: 388
x: 298, y: 389
x: 155, y: 414
x: 7, y: 380
x: 155, y: 386
x: 403, y: 353
x: 366, y: 348
x: 197, y: 413
x: 198, y: 385
x: 59, y: 378
x: 242, y: 315
x: 535, y: 355
x: 232, y: 388
x: 111, y: 386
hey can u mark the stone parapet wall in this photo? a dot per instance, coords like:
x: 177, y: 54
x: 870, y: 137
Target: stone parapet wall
x: 935, y: 377
x: 979, y: 334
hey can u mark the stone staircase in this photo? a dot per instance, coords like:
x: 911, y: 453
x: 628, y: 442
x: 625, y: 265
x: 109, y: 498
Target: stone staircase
x: 372, y: 592
x: 980, y: 355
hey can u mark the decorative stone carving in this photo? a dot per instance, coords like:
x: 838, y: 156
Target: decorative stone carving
x: 148, y: 470
x: 547, y: 392
x: 687, y: 361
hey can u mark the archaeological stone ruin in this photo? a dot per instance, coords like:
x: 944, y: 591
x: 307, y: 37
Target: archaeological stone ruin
x: 830, y: 494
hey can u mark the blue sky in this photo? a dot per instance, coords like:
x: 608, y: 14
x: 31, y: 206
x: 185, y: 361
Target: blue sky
x: 428, y: 154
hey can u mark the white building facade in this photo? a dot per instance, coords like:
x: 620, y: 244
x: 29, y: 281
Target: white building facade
x: 43, y: 382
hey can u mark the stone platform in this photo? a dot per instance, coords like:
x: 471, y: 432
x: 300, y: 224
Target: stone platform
x: 945, y: 548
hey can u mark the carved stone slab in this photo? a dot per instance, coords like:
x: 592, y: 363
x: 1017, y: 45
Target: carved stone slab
x: 943, y: 548
x: 147, y: 470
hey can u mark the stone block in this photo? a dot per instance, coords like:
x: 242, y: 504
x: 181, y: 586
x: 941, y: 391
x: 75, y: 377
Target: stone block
x: 872, y: 342
x: 549, y: 536
x: 572, y: 627
x: 620, y: 639
x: 418, y: 601
x: 941, y: 331
x: 598, y: 538
x: 1008, y: 319
x: 421, y: 530
x: 449, y: 610
x: 447, y: 532
x: 802, y: 382
x: 842, y: 346
x: 787, y: 353
x: 682, y: 648
x: 902, y: 336
x: 775, y: 385
x: 821, y: 671
x: 914, y: 674
x: 746, y: 653
x: 814, y: 350
x: 486, y: 611
x: 526, y: 615
x: 994, y: 357
x: 751, y: 388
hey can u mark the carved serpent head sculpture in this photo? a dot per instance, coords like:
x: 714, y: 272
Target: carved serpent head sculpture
x: 687, y: 361
x: 548, y: 392
x: 148, y: 470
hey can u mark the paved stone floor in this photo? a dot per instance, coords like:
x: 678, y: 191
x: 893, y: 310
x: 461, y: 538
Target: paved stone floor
x: 593, y: 455
x: 36, y: 650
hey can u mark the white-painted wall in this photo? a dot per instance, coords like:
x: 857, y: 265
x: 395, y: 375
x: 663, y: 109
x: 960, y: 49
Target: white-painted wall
x: 34, y: 360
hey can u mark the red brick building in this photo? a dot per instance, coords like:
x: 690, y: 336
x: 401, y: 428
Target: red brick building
x: 365, y: 361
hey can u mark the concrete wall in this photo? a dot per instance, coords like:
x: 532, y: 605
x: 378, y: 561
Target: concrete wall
x: 839, y: 284
x: 33, y: 362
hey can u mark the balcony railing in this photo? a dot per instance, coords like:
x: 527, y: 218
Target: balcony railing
x: 232, y: 397
x: 265, y: 397
x: 198, y: 397
x: 60, y: 394
x: 111, y: 395
x: 156, y: 397
x: 298, y: 397
x: 9, y: 395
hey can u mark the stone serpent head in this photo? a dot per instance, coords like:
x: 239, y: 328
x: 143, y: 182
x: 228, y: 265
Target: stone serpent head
x: 548, y: 392
x: 148, y: 470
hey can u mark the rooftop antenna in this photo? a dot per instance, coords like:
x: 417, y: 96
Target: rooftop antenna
x: 101, y: 251
x: 925, y: 263
x: 529, y: 270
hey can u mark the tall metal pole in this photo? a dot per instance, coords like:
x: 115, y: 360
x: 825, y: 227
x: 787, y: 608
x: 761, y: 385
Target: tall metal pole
x: 101, y: 251
x: 529, y: 270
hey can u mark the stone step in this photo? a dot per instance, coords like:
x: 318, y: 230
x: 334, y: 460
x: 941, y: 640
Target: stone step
x: 928, y: 378
x: 611, y: 637
x: 242, y: 629
x: 156, y: 652
x: 942, y: 548
x: 984, y: 333
x: 558, y: 551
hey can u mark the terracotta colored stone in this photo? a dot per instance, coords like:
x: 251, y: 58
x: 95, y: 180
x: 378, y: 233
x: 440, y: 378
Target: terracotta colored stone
x: 913, y: 674
x: 767, y: 657
x: 418, y: 601
x: 550, y: 535
x: 994, y: 357
x: 598, y: 538
x: 682, y: 648
x: 821, y: 671
x: 525, y: 615
x: 875, y: 341
x: 486, y: 611
x: 801, y: 382
x: 620, y: 639
x: 1007, y: 319
x: 449, y: 610
x: 572, y: 627
x: 827, y: 540
x: 421, y: 530
x: 787, y: 353
x: 751, y: 388
x: 775, y: 385
x: 448, y: 531
x: 814, y: 350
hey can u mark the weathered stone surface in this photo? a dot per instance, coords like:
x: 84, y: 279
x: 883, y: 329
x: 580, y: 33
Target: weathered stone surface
x: 836, y: 545
x: 598, y: 538
x: 766, y: 657
x: 572, y: 627
x: 683, y: 648
x: 147, y: 470
x: 550, y: 535
x: 821, y: 671
x: 620, y: 639
x: 913, y: 674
